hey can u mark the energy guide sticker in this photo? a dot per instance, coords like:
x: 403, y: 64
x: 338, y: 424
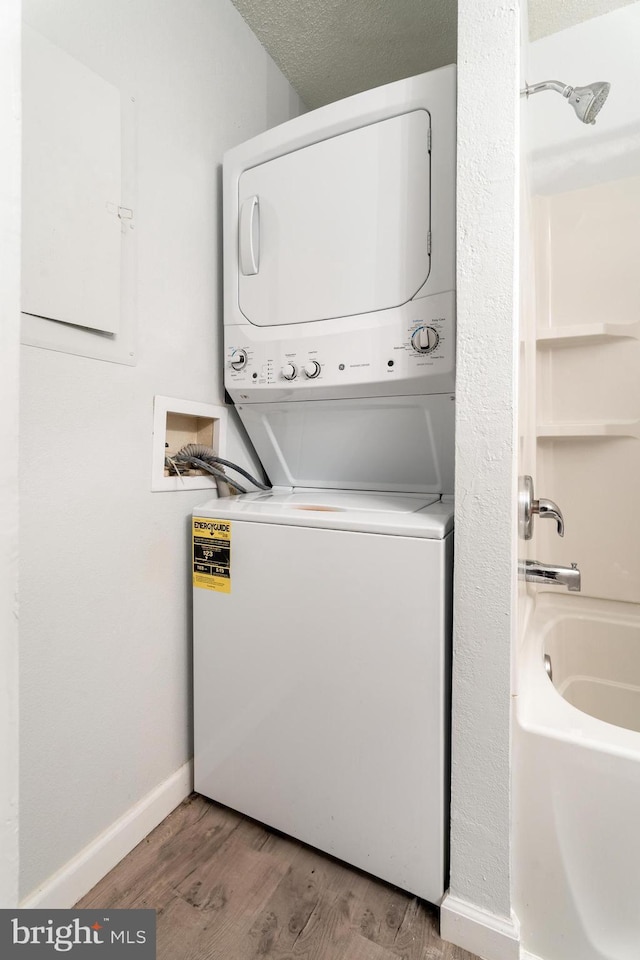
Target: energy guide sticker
x: 212, y: 554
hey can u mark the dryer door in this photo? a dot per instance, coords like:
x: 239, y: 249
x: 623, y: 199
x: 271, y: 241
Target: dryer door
x: 337, y: 228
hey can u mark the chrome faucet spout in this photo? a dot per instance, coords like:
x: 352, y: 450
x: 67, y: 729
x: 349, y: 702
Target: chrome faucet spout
x: 535, y: 572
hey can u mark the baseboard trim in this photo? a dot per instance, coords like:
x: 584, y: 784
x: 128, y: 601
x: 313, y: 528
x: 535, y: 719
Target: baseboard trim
x: 82, y: 872
x: 486, y: 934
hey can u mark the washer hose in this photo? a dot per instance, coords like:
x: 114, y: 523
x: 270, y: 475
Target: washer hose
x: 215, y: 472
x: 204, y: 458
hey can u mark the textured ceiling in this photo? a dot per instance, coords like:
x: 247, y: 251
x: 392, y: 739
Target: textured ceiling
x: 329, y: 49
x: 549, y: 16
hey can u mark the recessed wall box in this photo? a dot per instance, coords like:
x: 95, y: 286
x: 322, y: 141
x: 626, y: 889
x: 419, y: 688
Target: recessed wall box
x: 177, y: 423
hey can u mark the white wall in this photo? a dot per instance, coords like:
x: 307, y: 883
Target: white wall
x: 486, y: 450
x: 105, y: 586
x: 9, y: 357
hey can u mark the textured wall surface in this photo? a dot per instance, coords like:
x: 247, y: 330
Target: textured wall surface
x: 336, y: 48
x: 105, y: 590
x: 9, y: 362
x: 484, y: 601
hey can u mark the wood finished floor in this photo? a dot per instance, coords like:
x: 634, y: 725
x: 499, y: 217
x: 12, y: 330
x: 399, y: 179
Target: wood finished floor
x: 227, y: 888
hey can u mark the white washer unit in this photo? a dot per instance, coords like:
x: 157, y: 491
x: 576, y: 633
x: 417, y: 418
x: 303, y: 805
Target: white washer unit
x: 322, y: 653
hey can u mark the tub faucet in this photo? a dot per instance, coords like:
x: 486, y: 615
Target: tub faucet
x: 536, y: 572
x: 529, y: 507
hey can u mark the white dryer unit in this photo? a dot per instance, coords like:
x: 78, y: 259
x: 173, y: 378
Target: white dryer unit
x: 322, y: 608
x: 339, y: 307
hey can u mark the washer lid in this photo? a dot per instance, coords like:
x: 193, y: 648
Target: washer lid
x: 409, y: 515
x: 394, y: 444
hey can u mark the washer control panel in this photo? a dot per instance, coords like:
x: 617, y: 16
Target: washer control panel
x: 408, y: 350
x: 312, y: 369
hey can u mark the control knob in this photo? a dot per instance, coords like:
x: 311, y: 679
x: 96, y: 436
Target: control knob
x: 312, y: 369
x: 425, y: 340
x: 238, y: 359
x: 289, y: 371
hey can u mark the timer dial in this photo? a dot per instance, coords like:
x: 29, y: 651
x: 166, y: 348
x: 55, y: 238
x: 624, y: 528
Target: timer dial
x: 425, y: 340
x: 238, y: 359
x: 312, y: 369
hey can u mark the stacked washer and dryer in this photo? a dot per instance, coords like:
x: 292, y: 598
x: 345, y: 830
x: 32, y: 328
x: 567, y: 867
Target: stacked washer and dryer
x: 322, y: 608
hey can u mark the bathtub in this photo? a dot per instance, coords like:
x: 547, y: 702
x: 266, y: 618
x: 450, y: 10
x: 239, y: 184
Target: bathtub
x: 576, y: 787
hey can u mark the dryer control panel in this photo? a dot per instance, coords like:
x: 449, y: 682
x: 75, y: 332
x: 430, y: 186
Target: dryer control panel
x: 406, y: 351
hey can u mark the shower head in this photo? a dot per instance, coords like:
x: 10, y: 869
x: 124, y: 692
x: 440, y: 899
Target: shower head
x: 586, y: 101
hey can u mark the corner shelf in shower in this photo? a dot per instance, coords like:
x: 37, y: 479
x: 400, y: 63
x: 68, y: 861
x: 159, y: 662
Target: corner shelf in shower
x: 586, y: 429
x: 587, y: 333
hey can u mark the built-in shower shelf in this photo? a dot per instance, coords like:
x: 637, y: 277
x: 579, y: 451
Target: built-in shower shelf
x: 587, y: 333
x: 585, y: 429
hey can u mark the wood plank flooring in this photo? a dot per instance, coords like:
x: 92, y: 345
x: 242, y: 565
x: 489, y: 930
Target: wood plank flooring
x: 227, y: 888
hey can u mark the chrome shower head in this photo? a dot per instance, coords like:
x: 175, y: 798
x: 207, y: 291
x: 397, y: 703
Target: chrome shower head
x: 586, y: 101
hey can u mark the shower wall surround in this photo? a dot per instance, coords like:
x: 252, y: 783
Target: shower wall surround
x: 588, y: 388
x: 576, y: 746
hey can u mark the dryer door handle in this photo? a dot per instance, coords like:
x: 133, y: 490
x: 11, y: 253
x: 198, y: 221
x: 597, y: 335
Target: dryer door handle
x: 250, y: 237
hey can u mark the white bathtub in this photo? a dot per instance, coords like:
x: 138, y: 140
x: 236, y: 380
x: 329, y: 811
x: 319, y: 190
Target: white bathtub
x: 576, y: 796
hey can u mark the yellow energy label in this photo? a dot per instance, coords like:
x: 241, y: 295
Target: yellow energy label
x: 212, y: 554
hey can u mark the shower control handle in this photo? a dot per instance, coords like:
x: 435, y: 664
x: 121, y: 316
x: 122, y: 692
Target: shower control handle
x: 547, y: 508
x: 529, y: 507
